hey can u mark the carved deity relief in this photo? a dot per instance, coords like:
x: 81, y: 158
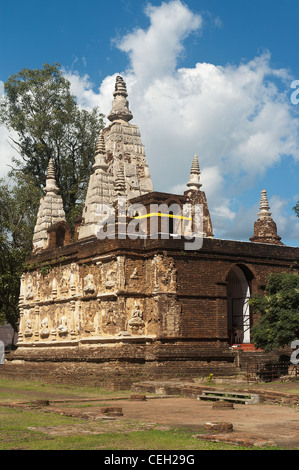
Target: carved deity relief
x: 110, y: 281
x: 65, y: 282
x: 108, y: 274
x: 136, y: 323
x: 28, y: 332
x: 44, y: 329
x: 29, y: 292
x: 89, y: 285
x: 62, y: 328
x: 91, y: 325
x: 110, y: 318
x: 164, y: 274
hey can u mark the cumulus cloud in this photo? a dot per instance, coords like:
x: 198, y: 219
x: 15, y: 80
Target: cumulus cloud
x: 234, y: 117
x: 154, y: 52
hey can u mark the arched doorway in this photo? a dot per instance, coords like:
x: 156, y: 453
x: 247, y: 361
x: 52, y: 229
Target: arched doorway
x: 238, y: 312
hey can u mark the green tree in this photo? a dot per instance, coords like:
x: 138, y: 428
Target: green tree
x: 40, y: 108
x: 296, y: 209
x: 278, y: 324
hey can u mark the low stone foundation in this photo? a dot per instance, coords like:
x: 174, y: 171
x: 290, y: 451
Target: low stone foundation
x: 118, y: 366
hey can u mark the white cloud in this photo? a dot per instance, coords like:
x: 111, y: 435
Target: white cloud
x: 154, y: 52
x: 287, y: 226
x: 232, y: 116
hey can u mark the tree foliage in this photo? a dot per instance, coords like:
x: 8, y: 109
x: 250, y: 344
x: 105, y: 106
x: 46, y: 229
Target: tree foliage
x: 278, y: 324
x: 296, y: 209
x: 39, y: 107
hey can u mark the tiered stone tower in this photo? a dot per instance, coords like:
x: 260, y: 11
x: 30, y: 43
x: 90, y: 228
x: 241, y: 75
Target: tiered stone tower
x: 120, y: 163
x: 265, y: 229
x: 194, y: 195
x: 50, y: 211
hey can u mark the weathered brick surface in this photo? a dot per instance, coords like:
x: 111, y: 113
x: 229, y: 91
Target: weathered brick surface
x: 182, y: 296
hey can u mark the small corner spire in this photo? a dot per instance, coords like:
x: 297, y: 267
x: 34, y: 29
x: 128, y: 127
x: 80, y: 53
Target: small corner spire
x: 100, y: 155
x: 265, y: 229
x: 51, y: 185
x: 101, y: 144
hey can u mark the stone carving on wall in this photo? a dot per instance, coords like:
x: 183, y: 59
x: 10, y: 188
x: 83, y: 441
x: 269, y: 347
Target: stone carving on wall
x: 62, y: 328
x: 29, y: 294
x: 28, y: 328
x: 89, y: 326
x: 164, y: 275
x: 44, y: 330
x: 110, y: 278
x: 136, y: 322
x: 91, y: 322
x: 134, y: 275
x: 110, y: 317
x: 89, y: 286
x: 65, y: 282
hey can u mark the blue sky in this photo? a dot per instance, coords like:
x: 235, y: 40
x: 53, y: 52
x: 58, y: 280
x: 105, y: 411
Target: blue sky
x: 210, y: 77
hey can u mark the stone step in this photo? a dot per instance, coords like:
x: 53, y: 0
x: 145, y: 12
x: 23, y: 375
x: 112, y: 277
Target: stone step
x: 235, y: 397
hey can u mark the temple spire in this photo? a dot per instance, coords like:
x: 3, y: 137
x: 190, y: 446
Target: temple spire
x: 51, y: 186
x: 120, y: 106
x: 101, y: 144
x: 265, y: 229
x: 50, y: 211
x: 264, y: 205
x: 195, y: 196
x: 194, y: 180
x: 100, y: 155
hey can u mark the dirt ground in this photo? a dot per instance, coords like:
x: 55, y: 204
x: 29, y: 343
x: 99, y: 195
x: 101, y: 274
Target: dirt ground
x: 253, y: 425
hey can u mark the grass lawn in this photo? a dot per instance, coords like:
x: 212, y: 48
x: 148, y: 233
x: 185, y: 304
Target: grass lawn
x: 15, y: 434
x: 27, y: 429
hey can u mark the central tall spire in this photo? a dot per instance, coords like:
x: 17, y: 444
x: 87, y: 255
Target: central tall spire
x: 120, y: 105
x: 120, y: 166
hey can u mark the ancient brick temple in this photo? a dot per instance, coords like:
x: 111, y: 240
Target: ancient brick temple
x: 143, y: 299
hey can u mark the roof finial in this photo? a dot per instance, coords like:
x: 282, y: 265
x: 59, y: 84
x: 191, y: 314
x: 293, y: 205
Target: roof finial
x: 194, y: 181
x: 51, y: 185
x: 101, y: 143
x: 100, y: 155
x: 120, y: 106
x: 264, y: 205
